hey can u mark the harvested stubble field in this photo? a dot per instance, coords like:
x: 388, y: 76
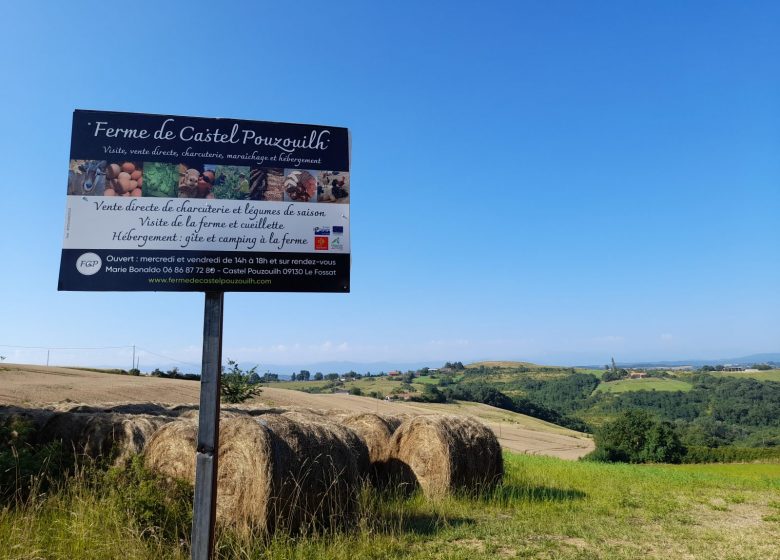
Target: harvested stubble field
x: 34, y: 386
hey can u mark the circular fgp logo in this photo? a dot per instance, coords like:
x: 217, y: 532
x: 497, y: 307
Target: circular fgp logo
x: 88, y: 264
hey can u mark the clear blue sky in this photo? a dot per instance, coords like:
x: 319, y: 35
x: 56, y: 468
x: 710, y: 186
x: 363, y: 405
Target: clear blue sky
x: 552, y: 181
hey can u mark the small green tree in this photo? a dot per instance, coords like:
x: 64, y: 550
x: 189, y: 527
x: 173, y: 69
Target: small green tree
x: 236, y: 386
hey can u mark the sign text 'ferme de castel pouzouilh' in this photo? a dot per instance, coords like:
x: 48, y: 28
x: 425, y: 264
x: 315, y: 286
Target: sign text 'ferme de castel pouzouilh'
x: 170, y: 203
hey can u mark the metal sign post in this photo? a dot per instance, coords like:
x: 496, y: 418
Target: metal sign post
x: 205, y: 501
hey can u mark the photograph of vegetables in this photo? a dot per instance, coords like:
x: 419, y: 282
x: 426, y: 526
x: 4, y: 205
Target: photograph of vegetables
x: 160, y: 179
x: 197, y: 181
x: 333, y: 186
x: 300, y: 186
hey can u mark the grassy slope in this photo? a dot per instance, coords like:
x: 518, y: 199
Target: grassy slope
x: 548, y: 508
x: 767, y: 375
x: 646, y: 384
x: 502, y: 364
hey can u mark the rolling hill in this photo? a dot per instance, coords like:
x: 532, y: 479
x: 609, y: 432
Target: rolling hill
x: 37, y: 386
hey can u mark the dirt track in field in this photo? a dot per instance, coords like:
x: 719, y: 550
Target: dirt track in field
x: 32, y: 386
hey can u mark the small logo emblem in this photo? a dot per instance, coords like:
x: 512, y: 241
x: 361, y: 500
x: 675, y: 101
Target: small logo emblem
x: 88, y: 264
x: 320, y: 243
x: 336, y: 244
x: 338, y: 229
x: 322, y: 231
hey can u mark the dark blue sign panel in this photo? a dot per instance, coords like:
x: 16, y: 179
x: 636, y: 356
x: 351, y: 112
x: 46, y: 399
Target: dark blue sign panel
x: 172, y: 203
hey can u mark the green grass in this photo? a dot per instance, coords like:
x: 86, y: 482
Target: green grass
x: 597, y: 372
x: 547, y: 508
x: 766, y: 375
x: 646, y: 384
x: 426, y: 380
x: 759, y: 472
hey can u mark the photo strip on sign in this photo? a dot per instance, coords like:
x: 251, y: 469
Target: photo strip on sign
x: 172, y: 203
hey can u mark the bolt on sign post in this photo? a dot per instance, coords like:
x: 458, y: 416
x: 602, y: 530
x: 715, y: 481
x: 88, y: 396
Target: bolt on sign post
x: 169, y: 203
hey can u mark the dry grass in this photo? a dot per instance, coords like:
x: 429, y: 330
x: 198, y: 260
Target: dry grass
x: 376, y: 430
x: 446, y: 454
x: 274, y: 470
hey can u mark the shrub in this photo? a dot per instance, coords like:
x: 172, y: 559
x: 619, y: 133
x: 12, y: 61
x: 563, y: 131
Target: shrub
x: 24, y: 465
x: 701, y: 454
x: 431, y: 394
x: 162, y: 506
x: 236, y: 384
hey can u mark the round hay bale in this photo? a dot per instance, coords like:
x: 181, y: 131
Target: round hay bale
x: 243, y: 461
x: 179, y: 409
x: 151, y: 409
x: 447, y: 453
x: 171, y: 449
x: 65, y: 427
x: 69, y: 406
x: 254, y: 410
x: 35, y: 417
x: 104, y: 436
x: 318, y: 471
x: 118, y: 437
x: 350, y: 437
x: 274, y: 471
x: 375, y: 430
x: 194, y: 414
